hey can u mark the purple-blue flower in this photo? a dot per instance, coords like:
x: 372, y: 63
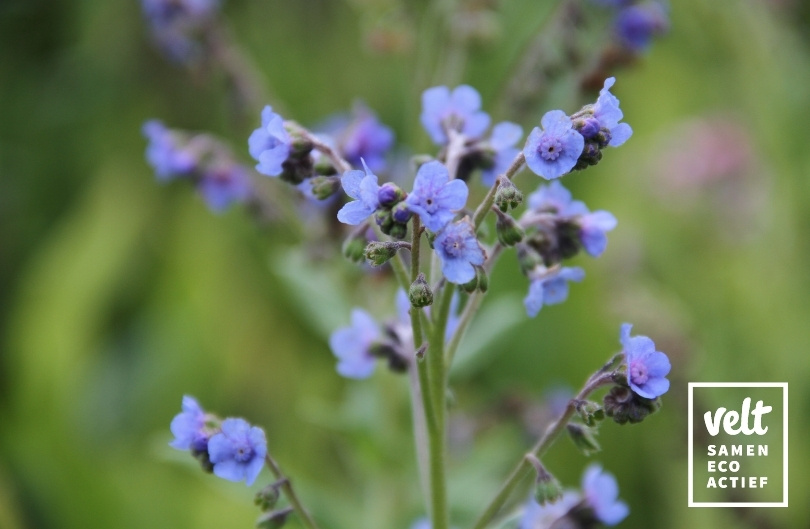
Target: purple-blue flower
x: 225, y: 184
x: 176, y: 24
x: 593, y: 226
x: 166, y: 153
x: 238, y: 451
x: 646, y: 368
x: 504, y: 137
x: 365, y: 138
x: 361, y: 186
x: 459, y: 110
x: 553, y: 151
x: 536, y: 516
x: 436, y: 198
x: 602, y: 495
x: 459, y: 250
x: 550, y: 287
x: 606, y: 110
x: 352, y: 345
x: 188, y: 427
x: 636, y: 25
x: 270, y: 144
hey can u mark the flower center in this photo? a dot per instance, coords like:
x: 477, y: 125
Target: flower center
x: 549, y: 148
x: 638, y: 373
x: 243, y: 453
x: 453, y: 246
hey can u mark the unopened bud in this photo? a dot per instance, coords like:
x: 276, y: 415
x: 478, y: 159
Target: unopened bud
x: 267, y: 498
x: 590, y: 412
x: 507, y: 195
x: 623, y: 405
x: 420, y: 293
x: 400, y: 213
x: 324, y: 187
x: 483, y: 279
x: 384, y: 220
x: 508, y: 231
x: 378, y: 253
x: 354, y: 247
x: 547, y: 488
x: 528, y: 258
x: 584, y: 438
x: 273, y: 520
x: 390, y: 194
x: 398, y: 230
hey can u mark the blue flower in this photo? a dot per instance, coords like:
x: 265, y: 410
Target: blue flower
x: 536, y: 516
x: 176, y: 24
x: 361, y: 186
x: 636, y: 25
x: 459, y: 250
x: 646, y: 368
x: 602, y: 495
x: 225, y: 184
x: 166, y: 153
x: 554, y: 151
x: 366, y: 139
x: 606, y: 110
x: 270, y: 144
x: 504, y: 137
x: 593, y: 226
x: 188, y: 427
x: 352, y: 345
x: 436, y: 198
x: 550, y: 287
x: 593, y: 231
x: 238, y: 451
x: 458, y: 110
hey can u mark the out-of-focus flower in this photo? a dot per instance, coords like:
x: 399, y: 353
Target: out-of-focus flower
x: 459, y: 110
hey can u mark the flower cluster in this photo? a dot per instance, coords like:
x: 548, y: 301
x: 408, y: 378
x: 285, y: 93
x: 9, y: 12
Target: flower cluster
x: 200, y: 159
x: 232, y: 449
x: 178, y: 26
x: 598, y: 503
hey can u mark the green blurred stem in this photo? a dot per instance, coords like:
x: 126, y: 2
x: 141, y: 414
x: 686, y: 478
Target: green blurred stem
x: 489, y: 199
x: 289, y: 493
x: 524, y: 468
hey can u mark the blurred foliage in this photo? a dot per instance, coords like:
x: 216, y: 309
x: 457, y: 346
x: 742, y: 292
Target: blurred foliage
x: 118, y: 295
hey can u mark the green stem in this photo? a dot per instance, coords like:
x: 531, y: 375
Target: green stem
x: 524, y: 468
x: 289, y: 493
x: 489, y: 199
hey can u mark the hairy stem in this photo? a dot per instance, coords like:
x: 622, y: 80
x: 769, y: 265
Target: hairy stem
x: 523, y: 469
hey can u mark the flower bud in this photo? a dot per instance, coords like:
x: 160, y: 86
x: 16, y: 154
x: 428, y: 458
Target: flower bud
x: 273, y: 520
x: 384, y: 220
x: 390, y: 194
x: 354, y: 248
x: 378, y: 253
x: 420, y: 293
x: 398, y: 230
x: 528, y: 258
x: 507, y: 195
x: 324, y: 187
x: 547, y: 488
x: 267, y: 498
x: 584, y: 438
x: 323, y: 166
x: 623, y: 405
x: 508, y: 231
x: 590, y: 412
x: 400, y: 213
x: 483, y: 279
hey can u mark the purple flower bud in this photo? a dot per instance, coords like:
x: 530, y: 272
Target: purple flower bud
x: 589, y: 128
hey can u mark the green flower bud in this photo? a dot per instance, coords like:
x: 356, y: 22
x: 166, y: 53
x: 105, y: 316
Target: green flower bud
x: 324, y: 187
x: 584, y: 438
x: 483, y: 279
x: 267, y: 498
x: 420, y: 293
x: 590, y: 412
x: 507, y: 195
x: 508, y: 231
x: 547, y: 488
x: 623, y: 405
x: 324, y: 167
x: 354, y: 247
x: 273, y: 520
x: 398, y: 230
x: 378, y: 253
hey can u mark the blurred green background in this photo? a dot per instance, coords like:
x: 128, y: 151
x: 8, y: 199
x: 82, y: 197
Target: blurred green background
x: 118, y: 295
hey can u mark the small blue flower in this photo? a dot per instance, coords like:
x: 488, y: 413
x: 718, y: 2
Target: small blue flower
x: 188, y: 427
x: 593, y: 231
x: 552, y: 198
x: 458, y: 110
x: 550, y: 287
x: 270, y: 144
x: 352, y: 345
x: 536, y: 516
x: 504, y: 137
x: 166, y: 153
x: 436, y: 198
x: 606, y: 110
x: 459, y: 250
x: 602, y: 495
x: 646, y: 368
x: 636, y: 25
x: 238, y: 451
x: 361, y: 186
x: 554, y: 151
x: 366, y: 139
x: 225, y: 184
